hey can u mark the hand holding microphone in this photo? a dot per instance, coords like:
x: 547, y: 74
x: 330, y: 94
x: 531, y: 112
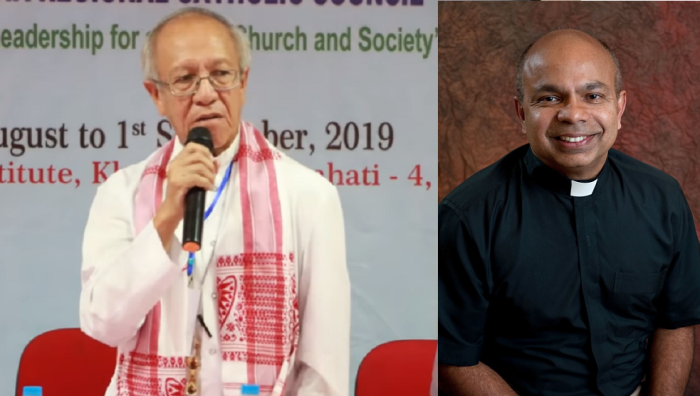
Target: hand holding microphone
x: 192, y: 172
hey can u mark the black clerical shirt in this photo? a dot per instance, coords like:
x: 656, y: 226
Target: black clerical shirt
x: 559, y: 293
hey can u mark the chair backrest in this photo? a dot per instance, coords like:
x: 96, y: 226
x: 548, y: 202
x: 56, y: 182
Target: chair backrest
x: 403, y: 367
x: 66, y: 362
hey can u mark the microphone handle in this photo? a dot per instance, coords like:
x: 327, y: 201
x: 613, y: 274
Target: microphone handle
x: 193, y: 222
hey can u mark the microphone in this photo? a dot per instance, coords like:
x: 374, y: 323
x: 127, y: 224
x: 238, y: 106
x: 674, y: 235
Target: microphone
x: 193, y: 221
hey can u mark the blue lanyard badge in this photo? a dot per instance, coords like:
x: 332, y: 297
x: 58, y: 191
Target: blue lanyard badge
x: 190, y: 259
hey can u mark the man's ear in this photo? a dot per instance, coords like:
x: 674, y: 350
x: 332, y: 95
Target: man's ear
x: 621, y: 104
x: 244, y: 78
x: 244, y: 84
x: 152, y: 88
x: 520, y: 111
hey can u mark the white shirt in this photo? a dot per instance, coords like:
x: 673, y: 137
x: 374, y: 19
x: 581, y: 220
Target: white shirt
x: 123, y: 277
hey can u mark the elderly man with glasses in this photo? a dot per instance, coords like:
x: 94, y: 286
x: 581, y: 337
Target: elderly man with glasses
x: 264, y: 304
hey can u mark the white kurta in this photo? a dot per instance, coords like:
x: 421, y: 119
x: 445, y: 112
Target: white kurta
x: 124, y: 276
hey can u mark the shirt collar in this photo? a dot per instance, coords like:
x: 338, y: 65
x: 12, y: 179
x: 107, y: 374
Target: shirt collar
x: 556, y: 182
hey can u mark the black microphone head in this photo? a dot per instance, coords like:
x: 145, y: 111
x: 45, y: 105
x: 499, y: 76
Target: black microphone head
x: 201, y: 135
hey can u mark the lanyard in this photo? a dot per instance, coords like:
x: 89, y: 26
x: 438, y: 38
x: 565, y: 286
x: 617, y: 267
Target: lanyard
x: 190, y: 259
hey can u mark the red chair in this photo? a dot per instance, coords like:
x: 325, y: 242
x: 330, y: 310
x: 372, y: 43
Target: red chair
x: 397, y: 368
x: 66, y: 362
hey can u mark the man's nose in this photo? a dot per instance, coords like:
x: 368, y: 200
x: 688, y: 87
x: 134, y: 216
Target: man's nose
x: 574, y: 111
x: 206, y: 94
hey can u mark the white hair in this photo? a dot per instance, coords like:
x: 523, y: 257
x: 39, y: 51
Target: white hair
x: 147, y: 52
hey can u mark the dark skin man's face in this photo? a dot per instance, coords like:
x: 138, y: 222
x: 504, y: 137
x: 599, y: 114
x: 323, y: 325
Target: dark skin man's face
x: 570, y: 112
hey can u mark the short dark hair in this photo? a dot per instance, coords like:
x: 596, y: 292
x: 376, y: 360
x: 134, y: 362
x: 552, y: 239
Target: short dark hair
x: 523, y: 57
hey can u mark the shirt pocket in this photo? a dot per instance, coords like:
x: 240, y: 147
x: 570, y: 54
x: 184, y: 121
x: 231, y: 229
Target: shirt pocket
x: 633, y: 302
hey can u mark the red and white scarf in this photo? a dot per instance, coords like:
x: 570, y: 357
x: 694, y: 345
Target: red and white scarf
x: 256, y: 285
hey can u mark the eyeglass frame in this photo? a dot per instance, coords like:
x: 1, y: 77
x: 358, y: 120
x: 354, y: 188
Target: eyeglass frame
x: 199, y: 82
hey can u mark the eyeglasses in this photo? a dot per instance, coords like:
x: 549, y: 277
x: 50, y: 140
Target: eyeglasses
x: 220, y: 80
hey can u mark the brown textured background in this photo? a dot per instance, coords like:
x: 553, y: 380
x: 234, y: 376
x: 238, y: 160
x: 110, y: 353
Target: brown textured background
x: 657, y: 44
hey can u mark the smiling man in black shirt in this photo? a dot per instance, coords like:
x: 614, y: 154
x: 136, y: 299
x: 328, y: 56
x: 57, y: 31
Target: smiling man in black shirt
x: 567, y: 267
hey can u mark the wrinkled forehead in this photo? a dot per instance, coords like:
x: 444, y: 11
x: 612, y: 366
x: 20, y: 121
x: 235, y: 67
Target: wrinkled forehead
x: 195, y: 42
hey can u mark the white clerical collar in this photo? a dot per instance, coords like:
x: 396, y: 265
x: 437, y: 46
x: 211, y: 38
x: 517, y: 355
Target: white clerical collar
x: 579, y: 189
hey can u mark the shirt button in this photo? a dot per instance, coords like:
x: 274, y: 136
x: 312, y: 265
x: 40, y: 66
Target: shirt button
x: 213, y: 243
x: 212, y: 351
x: 213, y: 296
